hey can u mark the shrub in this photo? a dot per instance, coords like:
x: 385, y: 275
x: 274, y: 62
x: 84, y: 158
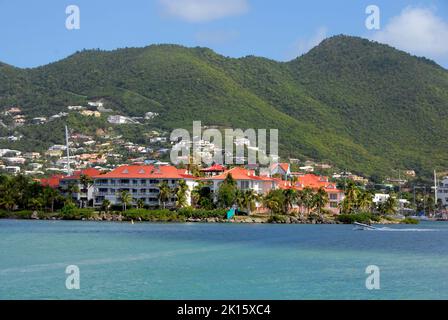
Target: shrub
x: 71, y: 212
x: 24, y: 214
x: 190, y: 212
x: 277, y: 219
x: 410, y: 221
x: 358, y: 217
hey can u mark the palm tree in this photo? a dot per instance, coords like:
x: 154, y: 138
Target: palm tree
x: 181, y: 194
x: 72, y: 188
x: 307, y: 197
x: 290, y: 199
x: 140, y: 203
x: 389, y: 206
x: 274, y: 201
x: 36, y: 203
x: 126, y: 199
x: 250, y: 200
x: 7, y: 195
x: 365, y: 201
x: 105, y: 205
x: 350, y: 201
x: 164, y: 193
x: 320, y: 199
x: 50, y: 195
x: 86, y: 182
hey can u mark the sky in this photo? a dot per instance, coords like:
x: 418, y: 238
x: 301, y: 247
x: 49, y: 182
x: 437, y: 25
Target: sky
x: 34, y: 33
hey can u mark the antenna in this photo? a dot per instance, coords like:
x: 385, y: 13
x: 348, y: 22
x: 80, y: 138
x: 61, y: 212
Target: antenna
x: 68, y: 151
x: 435, y: 187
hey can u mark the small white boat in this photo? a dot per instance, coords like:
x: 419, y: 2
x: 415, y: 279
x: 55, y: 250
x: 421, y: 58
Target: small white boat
x: 362, y: 226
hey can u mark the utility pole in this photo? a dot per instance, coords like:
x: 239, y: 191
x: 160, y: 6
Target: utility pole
x: 435, y: 188
x: 68, y: 151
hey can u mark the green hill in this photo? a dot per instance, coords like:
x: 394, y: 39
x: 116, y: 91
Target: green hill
x: 359, y: 104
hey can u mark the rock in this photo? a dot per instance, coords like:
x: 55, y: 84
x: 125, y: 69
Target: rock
x: 34, y: 215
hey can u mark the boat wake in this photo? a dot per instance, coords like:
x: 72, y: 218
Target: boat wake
x: 386, y: 229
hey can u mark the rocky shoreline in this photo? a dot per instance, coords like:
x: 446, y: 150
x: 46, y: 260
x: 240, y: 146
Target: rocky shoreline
x: 254, y: 219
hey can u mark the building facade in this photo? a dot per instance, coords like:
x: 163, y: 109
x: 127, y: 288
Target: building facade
x: 142, y: 182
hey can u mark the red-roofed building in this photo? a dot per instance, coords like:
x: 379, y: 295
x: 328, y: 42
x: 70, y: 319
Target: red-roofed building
x: 85, y: 195
x: 282, y: 169
x: 52, y: 182
x: 142, y: 182
x: 245, y: 179
x: 213, y: 170
x: 335, y: 195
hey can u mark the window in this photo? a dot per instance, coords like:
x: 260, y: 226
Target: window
x: 333, y: 196
x: 124, y: 181
x: 333, y: 204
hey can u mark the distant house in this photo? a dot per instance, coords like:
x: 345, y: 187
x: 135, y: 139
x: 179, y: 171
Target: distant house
x: 95, y: 104
x: 39, y: 120
x: 12, y: 169
x: 282, y: 169
x: 308, y: 168
x: 117, y: 119
x: 90, y: 113
x: 213, y: 170
x: 245, y: 179
x: 335, y: 195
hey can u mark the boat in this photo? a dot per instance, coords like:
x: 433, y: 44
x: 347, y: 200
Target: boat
x: 362, y: 226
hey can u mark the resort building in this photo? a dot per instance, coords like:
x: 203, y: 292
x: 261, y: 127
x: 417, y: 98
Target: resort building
x: 442, y: 192
x: 142, y: 182
x: 245, y: 179
x: 335, y: 195
x: 85, y: 192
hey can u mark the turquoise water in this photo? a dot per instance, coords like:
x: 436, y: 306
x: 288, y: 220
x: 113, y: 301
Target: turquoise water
x: 220, y: 261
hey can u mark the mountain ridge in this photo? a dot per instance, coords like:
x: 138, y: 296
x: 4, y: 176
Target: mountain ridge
x: 361, y: 104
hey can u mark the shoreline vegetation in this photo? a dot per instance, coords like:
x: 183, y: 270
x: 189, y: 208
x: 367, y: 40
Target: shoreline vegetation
x: 190, y: 215
x: 23, y: 198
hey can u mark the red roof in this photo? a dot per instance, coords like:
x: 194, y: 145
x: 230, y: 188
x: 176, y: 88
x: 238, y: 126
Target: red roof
x: 146, y: 172
x: 52, y: 182
x: 283, y: 166
x: 90, y: 172
x: 239, y: 173
x: 214, y: 168
x: 311, y: 181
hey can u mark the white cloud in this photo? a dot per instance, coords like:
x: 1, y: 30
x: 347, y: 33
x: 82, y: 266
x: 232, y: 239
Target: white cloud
x: 302, y: 46
x: 204, y: 10
x: 418, y: 31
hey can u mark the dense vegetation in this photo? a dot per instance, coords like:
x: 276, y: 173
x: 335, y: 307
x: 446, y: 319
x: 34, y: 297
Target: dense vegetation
x: 360, y: 104
x: 23, y: 198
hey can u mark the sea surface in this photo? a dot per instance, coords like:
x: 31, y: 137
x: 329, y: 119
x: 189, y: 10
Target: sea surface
x: 220, y: 261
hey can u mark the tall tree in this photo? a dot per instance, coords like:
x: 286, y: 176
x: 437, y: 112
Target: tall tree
x: 164, y: 193
x: 125, y: 199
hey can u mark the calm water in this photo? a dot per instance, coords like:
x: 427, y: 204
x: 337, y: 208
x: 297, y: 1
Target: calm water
x: 220, y: 261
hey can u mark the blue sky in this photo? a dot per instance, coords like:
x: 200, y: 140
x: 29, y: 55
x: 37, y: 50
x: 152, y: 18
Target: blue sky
x: 34, y: 33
